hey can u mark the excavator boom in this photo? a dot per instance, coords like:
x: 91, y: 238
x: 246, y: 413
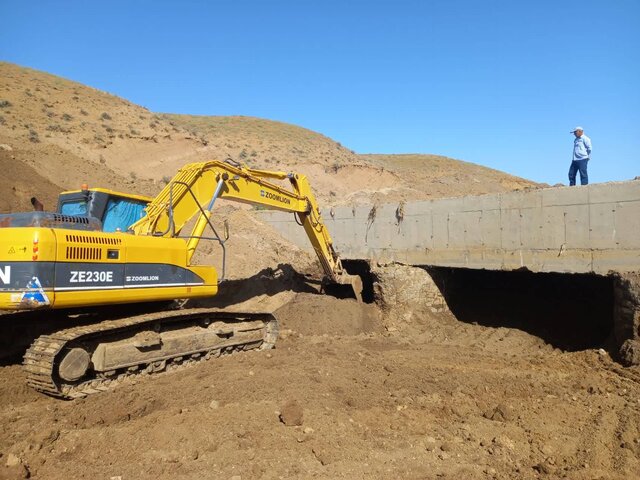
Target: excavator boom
x: 195, y: 188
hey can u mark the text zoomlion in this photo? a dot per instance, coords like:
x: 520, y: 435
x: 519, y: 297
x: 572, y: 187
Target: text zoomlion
x: 277, y: 198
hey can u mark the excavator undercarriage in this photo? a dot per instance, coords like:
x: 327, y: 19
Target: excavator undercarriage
x: 82, y: 360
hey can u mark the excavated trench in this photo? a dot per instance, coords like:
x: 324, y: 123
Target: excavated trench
x: 363, y: 270
x: 569, y: 311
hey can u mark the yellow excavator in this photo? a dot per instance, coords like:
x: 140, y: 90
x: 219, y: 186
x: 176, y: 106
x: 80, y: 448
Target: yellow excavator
x: 102, y: 249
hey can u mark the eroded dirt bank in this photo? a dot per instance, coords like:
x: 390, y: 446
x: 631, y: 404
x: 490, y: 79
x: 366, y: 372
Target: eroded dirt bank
x: 351, y: 391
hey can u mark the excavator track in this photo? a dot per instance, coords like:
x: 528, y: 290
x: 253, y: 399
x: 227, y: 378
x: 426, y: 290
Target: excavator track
x: 84, y: 360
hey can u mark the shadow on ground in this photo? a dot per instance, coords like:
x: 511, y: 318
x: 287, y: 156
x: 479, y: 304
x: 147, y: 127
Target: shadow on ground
x: 569, y: 311
x: 268, y: 281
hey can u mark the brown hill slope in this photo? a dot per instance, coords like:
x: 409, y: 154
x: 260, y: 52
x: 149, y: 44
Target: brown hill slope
x: 264, y: 143
x: 67, y: 134
x: 435, y: 176
x: 64, y: 133
x: 335, y: 172
x: 17, y: 184
x: 339, y: 175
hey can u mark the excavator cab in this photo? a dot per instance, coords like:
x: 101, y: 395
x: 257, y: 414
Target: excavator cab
x: 95, y: 209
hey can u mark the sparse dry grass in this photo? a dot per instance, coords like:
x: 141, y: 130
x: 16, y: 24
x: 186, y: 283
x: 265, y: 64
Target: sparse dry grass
x: 264, y: 143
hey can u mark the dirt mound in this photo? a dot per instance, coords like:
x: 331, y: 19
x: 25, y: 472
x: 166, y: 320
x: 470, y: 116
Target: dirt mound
x: 407, y: 295
x: 312, y: 314
x: 435, y: 399
x: 17, y: 183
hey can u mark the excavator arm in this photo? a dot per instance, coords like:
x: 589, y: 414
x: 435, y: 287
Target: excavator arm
x: 195, y: 188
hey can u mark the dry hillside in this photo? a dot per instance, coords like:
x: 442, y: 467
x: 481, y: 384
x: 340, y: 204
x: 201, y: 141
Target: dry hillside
x: 64, y: 133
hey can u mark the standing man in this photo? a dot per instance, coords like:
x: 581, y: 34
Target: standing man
x: 581, y: 154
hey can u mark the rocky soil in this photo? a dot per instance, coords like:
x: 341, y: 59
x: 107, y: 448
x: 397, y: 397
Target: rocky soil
x: 398, y: 389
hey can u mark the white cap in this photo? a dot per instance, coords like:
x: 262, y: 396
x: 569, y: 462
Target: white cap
x: 576, y: 129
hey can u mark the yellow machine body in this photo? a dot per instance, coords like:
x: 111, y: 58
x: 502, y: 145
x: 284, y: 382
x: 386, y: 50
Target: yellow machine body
x: 105, y: 247
x: 60, y: 268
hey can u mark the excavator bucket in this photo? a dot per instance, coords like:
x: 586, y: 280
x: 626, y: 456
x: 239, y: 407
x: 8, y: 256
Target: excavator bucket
x: 345, y: 286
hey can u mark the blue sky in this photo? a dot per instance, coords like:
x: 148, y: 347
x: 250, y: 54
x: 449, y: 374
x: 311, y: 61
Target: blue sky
x: 499, y: 83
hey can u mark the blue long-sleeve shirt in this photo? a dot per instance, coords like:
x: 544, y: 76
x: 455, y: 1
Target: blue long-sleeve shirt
x: 582, y: 148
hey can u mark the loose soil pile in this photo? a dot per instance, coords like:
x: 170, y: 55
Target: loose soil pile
x: 344, y: 395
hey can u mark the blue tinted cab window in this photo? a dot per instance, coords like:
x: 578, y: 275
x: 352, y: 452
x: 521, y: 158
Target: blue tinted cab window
x: 121, y: 213
x: 79, y: 207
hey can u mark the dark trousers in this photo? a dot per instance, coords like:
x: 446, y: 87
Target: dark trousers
x: 578, y: 166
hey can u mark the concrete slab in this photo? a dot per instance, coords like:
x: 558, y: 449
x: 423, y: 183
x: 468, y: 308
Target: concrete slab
x: 621, y: 261
x: 338, y: 213
x: 421, y: 229
x: 440, y: 225
x: 558, y: 196
x: 491, y: 232
x: 577, y: 226
x: 627, y: 224
x: 473, y: 230
x: 510, y: 227
x: 457, y: 228
x: 564, y: 261
x: 602, y: 226
x: 531, y: 227
x: 614, y: 192
x: 553, y: 227
x: 521, y: 200
x: 481, y: 203
x: 580, y: 229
